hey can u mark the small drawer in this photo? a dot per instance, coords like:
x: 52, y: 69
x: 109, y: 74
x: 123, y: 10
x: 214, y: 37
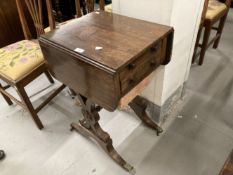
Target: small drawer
x: 141, y: 67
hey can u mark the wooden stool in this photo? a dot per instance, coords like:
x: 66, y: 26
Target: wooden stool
x: 216, y: 12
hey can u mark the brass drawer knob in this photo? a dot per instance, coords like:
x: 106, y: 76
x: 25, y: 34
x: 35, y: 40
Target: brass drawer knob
x: 155, y: 48
x: 131, y: 66
x: 152, y: 63
x: 131, y: 81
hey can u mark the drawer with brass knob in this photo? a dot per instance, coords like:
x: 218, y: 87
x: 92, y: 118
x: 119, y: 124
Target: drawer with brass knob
x: 127, y: 55
x: 142, y: 66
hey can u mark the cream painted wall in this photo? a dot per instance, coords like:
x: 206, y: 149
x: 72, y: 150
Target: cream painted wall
x: 184, y: 16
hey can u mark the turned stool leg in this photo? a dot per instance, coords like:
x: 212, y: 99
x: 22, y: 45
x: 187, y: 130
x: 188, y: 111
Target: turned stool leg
x: 219, y: 31
x: 197, y: 44
x: 204, y: 45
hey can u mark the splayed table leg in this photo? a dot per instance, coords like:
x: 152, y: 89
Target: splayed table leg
x: 139, y: 105
x: 89, y: 126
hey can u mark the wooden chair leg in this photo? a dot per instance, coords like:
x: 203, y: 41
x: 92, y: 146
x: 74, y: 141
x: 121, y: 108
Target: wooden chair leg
x: 219, y: 31
x: 7, y: 99
x: 204, y: 45
x: 49, y: 77
x: 25, y: 99
x: 197, y: 44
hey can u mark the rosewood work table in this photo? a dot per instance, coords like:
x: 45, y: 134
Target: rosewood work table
x: 104, y: 58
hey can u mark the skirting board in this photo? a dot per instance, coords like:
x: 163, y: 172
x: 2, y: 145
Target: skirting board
x: 160, y: 113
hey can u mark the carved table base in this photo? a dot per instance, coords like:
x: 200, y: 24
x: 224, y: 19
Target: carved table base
x: 89, y: 126
x: 2, y: 154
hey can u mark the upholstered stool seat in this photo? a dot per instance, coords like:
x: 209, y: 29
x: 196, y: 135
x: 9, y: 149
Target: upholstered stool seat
x: 108, y: 8
x: 214, y: 9
x: 47, y: 29
x: 18, y: 59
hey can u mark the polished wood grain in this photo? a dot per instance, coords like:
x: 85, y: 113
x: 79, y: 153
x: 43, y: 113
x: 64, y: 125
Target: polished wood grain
x: 140, y: 68
x: 125, y: 41
x: 120, y: 37
x: 83, y: 76
x: 130, y: 50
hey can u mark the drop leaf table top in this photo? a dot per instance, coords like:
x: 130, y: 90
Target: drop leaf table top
x: 103, y: 57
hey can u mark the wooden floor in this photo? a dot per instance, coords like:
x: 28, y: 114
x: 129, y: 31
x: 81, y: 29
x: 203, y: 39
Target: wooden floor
x: 228, y: 167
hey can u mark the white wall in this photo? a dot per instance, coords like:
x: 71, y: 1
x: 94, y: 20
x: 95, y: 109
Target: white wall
x: 184, y: 16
